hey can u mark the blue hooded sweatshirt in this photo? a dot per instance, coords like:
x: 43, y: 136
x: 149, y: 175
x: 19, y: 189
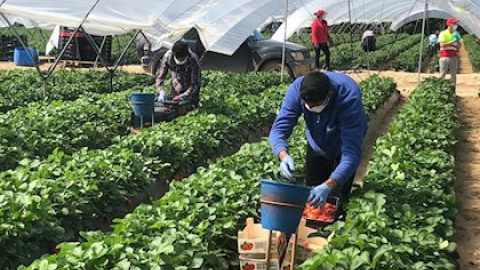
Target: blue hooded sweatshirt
x: 338, y: 130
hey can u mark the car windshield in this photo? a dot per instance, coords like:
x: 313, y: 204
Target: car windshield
x: 257, y: 36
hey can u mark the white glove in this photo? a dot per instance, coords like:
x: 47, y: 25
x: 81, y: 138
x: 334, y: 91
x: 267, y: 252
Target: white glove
x: 162, y: 96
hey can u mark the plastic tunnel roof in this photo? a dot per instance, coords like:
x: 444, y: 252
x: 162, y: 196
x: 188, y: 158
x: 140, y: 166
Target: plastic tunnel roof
x: 222, y: 24
x: 397, y: 12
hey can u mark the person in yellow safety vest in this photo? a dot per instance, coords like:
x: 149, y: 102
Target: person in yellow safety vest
x: 450, y: 41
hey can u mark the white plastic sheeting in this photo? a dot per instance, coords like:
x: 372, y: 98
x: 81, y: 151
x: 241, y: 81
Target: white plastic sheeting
x: 222, y: 24
x: 222, y: 28
x: 397, y: 12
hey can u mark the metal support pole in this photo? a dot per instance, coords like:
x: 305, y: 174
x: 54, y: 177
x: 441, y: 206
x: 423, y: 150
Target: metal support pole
x: 96, y: 49
x: 57, y: 60
x: 421, y: 43
x: 101, y: 49
x: 112, y: 74
x: 43, y: 76
x: 284, y: 40
x: 15, y: 32
x: 122, y: 55
x: 351, y: 34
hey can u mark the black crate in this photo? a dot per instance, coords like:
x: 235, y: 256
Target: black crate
x: 81, y: 49
x: 317, y: 224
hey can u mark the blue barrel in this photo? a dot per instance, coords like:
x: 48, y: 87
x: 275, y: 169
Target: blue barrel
x: 142, y: 103
x: 282, y: 205
x: 21, y: 57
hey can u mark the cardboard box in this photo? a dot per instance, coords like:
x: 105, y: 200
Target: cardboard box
x: 259, y: 262
x: 306, y: 246
x: 253, y: 240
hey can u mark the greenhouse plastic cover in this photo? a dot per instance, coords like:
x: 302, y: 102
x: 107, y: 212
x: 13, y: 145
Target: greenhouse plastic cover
x: 222, y: 24
x: 371, y: 11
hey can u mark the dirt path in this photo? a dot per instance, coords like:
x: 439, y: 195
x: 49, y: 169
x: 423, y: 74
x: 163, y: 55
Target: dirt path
x: 468, y: 185
x: 468, y: 85
x: 465, y: 65
x: 380, y: 131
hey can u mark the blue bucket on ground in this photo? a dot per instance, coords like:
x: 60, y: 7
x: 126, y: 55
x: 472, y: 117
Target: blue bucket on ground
x: 21, y: 57
x: 282, y: 205
x: 142, y: 103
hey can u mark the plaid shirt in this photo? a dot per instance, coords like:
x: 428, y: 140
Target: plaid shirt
x: 185, y: 78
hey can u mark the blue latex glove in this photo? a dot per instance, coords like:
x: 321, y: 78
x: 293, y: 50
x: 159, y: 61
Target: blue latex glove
x: 457, y: 37
x: 286, y: 166
x: 318, y: 195
x: 162, y: 97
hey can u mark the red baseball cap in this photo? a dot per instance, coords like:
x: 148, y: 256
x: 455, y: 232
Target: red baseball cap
x: 320, y: 12
x: 451, y: 21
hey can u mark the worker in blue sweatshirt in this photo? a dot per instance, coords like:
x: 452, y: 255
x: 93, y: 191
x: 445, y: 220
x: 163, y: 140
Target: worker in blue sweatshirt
x: 331, y: 104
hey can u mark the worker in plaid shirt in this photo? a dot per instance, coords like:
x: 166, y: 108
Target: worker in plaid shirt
x: 185, y: 68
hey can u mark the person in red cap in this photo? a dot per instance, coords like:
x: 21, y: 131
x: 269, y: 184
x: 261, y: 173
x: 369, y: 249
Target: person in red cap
x: 450, y: 41
x: 321, y: 38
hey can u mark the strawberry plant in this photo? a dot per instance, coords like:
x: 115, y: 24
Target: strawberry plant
x: 473, y: 49
x: 377, y: 58
x: 195, y: 224
x: 342, y: 54
x: 21, y: 87
x: 36, y: 130
x: 435, y: 63
x: 68, y: 193
x: 403, y: 216
x: 376, y: 88
x: 408, y: 60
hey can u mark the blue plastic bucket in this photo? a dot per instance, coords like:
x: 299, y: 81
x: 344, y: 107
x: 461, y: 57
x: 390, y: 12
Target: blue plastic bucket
x: 282, y: 205
x: 142, y: 103
x: 21, y: 57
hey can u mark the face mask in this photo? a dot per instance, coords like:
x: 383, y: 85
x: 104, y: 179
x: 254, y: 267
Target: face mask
x: 319, y: 108
x: 316, y: 109
x: 455, y: 27
x: 178, y: 62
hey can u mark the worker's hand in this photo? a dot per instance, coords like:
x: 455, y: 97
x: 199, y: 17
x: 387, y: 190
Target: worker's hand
x: 162, y: 96
x: 318, y: 195
x: 286, y: 166
x: 177, y: 97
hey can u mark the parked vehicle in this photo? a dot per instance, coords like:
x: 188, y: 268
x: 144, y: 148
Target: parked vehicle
x: 255, y: 54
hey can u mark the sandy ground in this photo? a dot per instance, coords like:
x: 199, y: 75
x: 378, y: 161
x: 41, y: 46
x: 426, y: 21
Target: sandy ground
x: 468, y: 185
x: 468, y: 85
x: 61, y: 65
x: 380, y: 131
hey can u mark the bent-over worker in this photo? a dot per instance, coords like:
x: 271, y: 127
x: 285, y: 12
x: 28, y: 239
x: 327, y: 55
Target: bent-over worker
x: 186, y: 74
x: 331, y: 104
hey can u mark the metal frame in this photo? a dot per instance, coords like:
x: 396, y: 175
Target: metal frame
x: 285, y: 23
x: 425, y: 11
x: 45, y: 75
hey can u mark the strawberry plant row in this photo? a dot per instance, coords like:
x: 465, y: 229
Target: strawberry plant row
x: 342, y: 54
x: 194, y: 226
x: 403, y: 216
x: 434, y: 63
x: 52, y: 200
x: 473, y: 49
x: 377, y: 58
x: 408, y: 60
x: 21, y: 87
x: 94, y: 121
